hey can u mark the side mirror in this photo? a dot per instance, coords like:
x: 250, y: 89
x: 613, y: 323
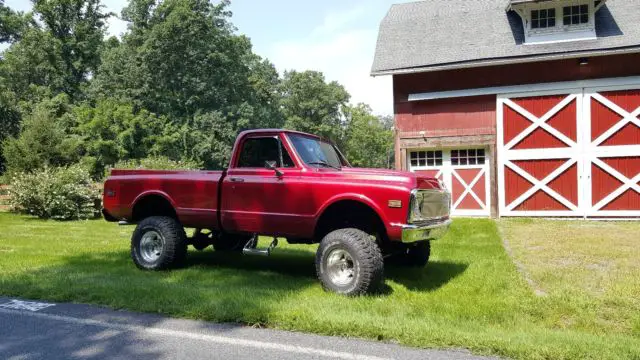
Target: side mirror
x: 271, y: 165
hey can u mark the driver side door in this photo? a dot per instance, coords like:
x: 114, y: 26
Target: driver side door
x: 254, y: 198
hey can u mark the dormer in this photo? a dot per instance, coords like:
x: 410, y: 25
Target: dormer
x: 549, y: 21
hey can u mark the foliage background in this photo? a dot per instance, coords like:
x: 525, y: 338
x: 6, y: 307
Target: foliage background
x: 180, y: 84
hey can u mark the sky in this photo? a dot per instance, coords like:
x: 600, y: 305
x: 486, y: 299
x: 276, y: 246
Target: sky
x: 336, y: 37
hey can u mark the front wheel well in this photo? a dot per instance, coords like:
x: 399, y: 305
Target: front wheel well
x: 152, y: 205
x: 350, y: 214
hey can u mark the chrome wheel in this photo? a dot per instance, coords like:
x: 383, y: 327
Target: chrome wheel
x: 340, y: 267
x: 151, y: 246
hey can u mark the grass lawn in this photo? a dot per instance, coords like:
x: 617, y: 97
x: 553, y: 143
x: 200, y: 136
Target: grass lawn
x: 590, y: 270
x: 471, y: 295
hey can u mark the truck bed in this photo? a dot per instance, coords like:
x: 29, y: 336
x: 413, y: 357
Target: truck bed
x: 193, y: 194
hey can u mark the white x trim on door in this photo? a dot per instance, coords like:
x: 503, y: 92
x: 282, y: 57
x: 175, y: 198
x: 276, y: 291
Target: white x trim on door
x: 468, y: 188
x: 508, y: 155
x: 585, y: 153
x: 596, y: 151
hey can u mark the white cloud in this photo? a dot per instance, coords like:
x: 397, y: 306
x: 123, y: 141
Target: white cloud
x: 343, y: 54
x: 115, y: 26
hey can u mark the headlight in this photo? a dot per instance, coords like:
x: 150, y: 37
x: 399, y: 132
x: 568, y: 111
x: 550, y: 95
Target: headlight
x: 415, y: 213
x: 429, y: 205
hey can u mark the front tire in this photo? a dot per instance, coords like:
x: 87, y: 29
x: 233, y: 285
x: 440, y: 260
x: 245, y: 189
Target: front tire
x: 348, y: 262
x: 158, y: 243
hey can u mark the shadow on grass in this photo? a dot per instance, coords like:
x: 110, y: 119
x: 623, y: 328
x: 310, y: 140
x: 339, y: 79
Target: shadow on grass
x: 222, y: 287
x: 432, y: 277
x: 219, y: 287
x: 290, y: 262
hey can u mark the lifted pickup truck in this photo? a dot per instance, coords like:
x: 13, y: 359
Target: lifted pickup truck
x: 284, y: 184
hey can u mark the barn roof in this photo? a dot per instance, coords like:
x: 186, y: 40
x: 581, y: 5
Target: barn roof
x: 437, y: 35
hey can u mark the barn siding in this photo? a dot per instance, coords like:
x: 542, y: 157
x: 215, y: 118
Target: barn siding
x: 477, y: 115
x: 515, y: 74
x: 472, y: 120
x: 447, y: 117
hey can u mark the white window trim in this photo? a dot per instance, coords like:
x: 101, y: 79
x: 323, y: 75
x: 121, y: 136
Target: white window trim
x: 559, y: 32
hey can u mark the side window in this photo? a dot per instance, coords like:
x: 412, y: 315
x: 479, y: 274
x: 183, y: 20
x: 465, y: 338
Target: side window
x: 286, y: 159
x: 255, y: 151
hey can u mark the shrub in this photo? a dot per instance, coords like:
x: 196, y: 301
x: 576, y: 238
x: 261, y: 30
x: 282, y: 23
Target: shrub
x: 64, y: 193
x: 156, y: 163
x: 43, y: 141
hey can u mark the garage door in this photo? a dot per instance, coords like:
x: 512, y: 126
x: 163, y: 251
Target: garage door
x: 464, y: 171
x: 569, y: 153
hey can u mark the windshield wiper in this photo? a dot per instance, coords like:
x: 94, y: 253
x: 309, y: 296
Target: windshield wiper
x: 324, y: 163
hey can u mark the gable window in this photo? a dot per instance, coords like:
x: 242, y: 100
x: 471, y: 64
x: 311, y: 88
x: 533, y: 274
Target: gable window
x: 426, y: 158
x: 575, y: 15
x: 467, y: 157
x: 542, y: 19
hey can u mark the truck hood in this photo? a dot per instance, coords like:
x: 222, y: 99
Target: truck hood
x: 410, y: 179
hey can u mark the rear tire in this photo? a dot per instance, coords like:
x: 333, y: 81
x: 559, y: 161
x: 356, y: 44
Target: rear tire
x: 158, y: 243
x: 348, y: 262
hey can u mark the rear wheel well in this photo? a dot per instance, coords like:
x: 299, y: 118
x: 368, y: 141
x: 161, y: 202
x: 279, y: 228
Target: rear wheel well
x: 350, y: 214
x: 152, y: 205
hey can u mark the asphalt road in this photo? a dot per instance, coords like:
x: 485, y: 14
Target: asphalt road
x: 38, y: 330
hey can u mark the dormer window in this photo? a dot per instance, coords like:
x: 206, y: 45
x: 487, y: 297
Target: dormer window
x: 542, y: 19
x: 575, y: 15
x: 549, y: 21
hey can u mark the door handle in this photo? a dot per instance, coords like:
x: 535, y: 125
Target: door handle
x: 236, y: 179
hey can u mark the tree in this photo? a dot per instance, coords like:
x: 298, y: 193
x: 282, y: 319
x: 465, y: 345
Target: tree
x: 369, y: 140
x: 111, y: 131
x: 9, y: 120
x: 221, y: 89
x: 12, y: 23
x: 30, y: 68
x: 45, y: 139
x: 59, y: 53
x: 312, y: 105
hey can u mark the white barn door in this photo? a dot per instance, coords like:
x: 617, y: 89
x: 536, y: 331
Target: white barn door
x: 464, y: 171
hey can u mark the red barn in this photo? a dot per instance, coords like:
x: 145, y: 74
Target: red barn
x: 521, y: 107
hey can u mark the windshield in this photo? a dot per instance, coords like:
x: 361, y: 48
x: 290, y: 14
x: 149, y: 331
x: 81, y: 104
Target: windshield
x: 315, y: 152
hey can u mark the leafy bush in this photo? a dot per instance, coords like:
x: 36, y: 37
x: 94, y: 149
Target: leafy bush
x: 45, y: 139
x: 156, y: 163
x: 64, y: 193
x: 112, y: 131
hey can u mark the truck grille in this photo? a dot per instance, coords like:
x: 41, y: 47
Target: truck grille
x: 429, y: 205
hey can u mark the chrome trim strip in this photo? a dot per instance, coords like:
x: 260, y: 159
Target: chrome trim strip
x: 412, y: 233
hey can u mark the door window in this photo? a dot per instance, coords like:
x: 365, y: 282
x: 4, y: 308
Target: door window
x: 255, y: 151
x: 426, y: 158
x: 467, y: 157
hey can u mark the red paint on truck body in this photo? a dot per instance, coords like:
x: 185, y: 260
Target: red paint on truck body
x: 255, y: 200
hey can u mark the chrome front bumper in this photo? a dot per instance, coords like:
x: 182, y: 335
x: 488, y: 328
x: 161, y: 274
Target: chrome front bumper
x: 432, y: 231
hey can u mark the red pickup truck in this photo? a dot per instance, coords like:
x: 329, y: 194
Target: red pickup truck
x: 285, y: 184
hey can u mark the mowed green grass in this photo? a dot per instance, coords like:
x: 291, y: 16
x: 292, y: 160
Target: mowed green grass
x: 471, y: 295
x: 589, y: 270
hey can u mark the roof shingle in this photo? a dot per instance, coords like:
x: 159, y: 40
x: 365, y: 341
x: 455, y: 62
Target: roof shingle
x: 435, y: 34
